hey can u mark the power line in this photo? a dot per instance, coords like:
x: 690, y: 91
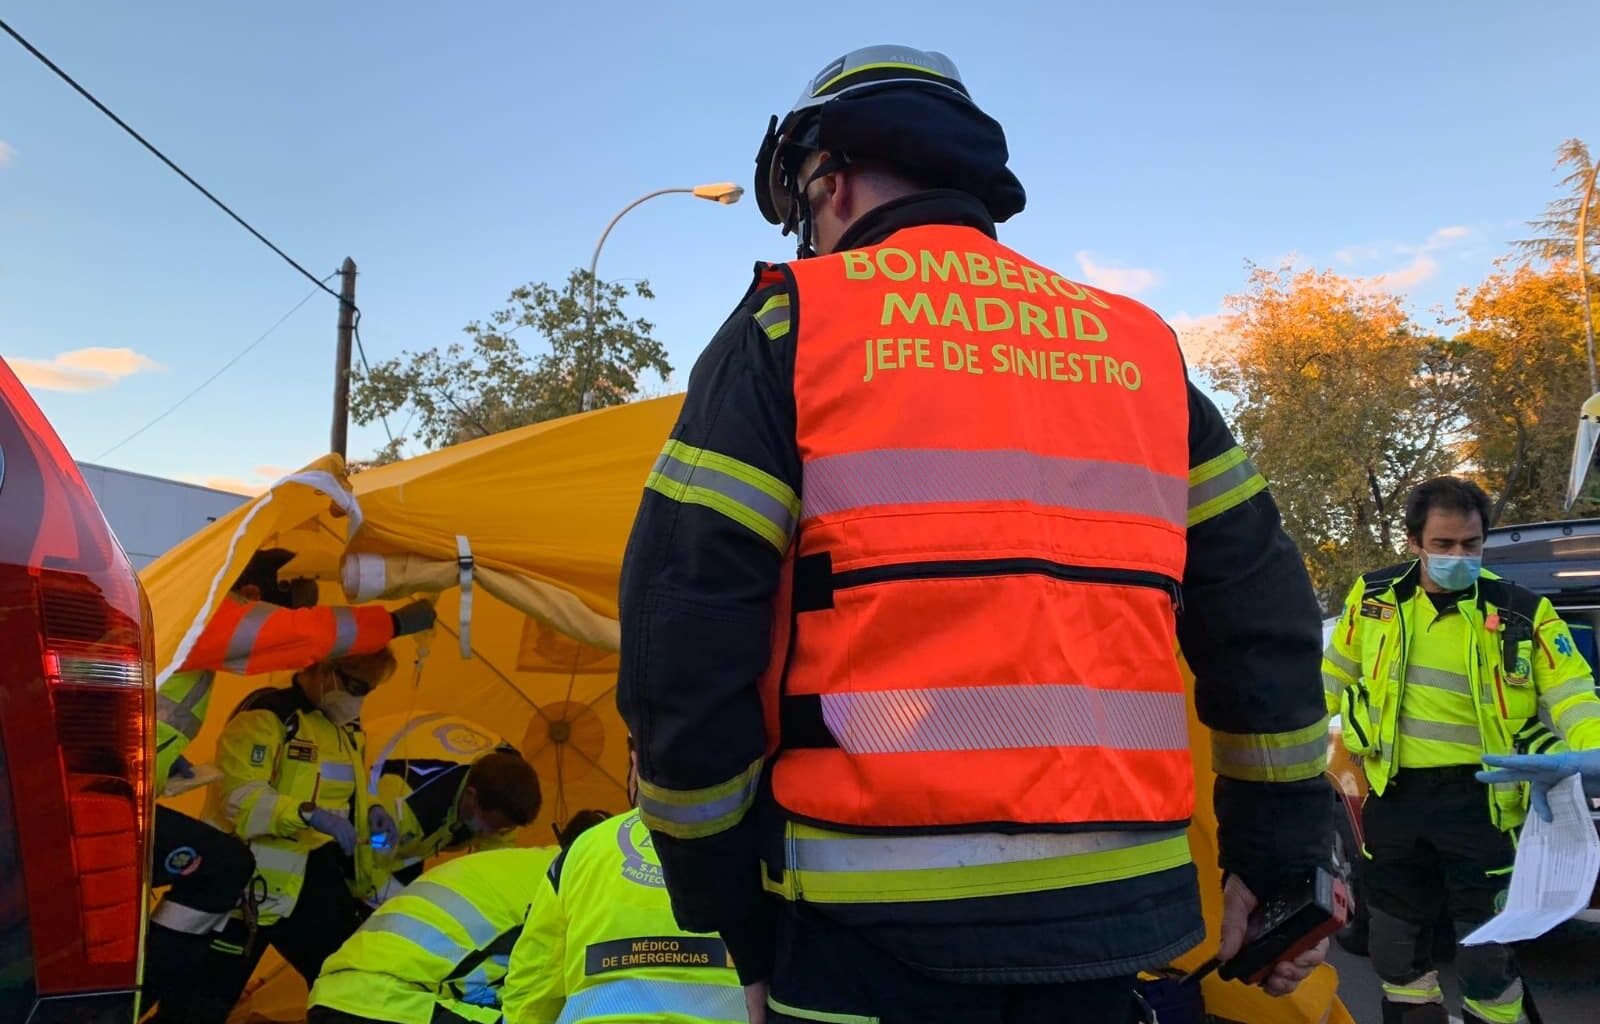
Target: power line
x: 361, y: 350
x: 86, y: 94
x: 220, y: 371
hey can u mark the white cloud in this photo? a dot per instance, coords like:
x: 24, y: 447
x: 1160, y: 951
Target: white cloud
x: 1445, y: 236
x: 1420, y: 269
x: 1124, y: 280
x: 1421, y: 266
x: 260, y: 478
x: 82, y: 369
x: 1201, y: 337
x: 7, y: 151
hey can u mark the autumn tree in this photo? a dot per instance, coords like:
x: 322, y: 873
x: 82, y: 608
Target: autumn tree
x: 1345, y: 405
x: 1523, y: 328
x: 494, y: 381
x: 1556, y: 233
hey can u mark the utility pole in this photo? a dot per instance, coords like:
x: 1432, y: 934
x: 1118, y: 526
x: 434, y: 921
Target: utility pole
x: 341, y: 363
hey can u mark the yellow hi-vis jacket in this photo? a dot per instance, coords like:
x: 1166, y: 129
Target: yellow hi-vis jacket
x: 439, y: 950
x: 601, y: 943
x: 1519, y: 666
x: 277, y: 753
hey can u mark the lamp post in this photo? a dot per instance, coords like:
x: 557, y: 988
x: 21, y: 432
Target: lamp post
x: 726, y: 193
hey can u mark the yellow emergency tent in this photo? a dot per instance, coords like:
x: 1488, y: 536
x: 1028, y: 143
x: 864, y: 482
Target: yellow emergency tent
x: 519, y: 536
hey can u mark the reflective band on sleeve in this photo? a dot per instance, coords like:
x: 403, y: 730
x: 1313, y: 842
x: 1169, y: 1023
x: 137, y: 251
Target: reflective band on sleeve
x: 1005, y: 718
x: 749, y: 496
x: 1566, y: 691
x: 236, y: 658
x: 1219, y: 484
x: 427, y: 937
x: 929, y: 476
x: 773, y: 317
x: 260, y: 821
x: 1272, y: 757
x: 835, y: 867
x: 1575, y: 714
x: 697, y: 813
x: 345, y: 629
x: 233, y: 802
x: 183, y: 715
x: 337, y: 771
x: 639, y: 999
x: 1438, y: 679
x: 471, y: 919
x: 1443, y: 732
x: 1332, y: 684
x: 1346, y: 665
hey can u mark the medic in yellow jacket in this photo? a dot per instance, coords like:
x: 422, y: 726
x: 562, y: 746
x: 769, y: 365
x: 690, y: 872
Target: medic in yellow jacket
x: 601, y: 943
x: 291, y: 762
x: 437, y: 951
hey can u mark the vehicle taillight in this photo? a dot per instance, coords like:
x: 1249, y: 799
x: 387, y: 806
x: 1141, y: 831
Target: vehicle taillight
x: 76, y: 707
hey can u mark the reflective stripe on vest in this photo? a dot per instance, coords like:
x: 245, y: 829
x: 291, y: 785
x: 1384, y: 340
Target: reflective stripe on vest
x: 979, y: 625
x: 836, y: 867
x: 641, y: 999
x: 908, y: 476
x: 1005, y: 718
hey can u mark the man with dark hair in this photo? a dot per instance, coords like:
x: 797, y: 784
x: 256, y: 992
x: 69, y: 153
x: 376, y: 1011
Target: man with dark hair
x: 447, y: 800
x: 1433, y: 664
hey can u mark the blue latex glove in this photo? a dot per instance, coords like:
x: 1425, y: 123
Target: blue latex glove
x: 1542, y: 771
x: 335, y: 825
x: 382, y: 828
x: 182, y: 768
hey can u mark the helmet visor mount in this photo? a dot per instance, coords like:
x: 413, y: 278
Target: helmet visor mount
x: 781, y: 193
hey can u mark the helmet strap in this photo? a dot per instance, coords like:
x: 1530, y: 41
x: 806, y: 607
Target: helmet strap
x: 804, y: 222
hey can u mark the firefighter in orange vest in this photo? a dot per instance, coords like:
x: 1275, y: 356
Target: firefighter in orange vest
x: 900, y: 607
x: 263, y: 625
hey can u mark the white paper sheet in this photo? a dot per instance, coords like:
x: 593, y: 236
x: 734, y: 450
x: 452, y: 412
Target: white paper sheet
x: 1554, y: 871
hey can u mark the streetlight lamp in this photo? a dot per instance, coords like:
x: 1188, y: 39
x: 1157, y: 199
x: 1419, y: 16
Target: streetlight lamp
x: 726, y: 193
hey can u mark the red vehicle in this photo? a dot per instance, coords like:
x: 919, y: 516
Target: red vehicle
x: 77, y: 698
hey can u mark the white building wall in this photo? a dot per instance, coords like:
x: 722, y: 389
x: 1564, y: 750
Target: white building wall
x: 151, y: 515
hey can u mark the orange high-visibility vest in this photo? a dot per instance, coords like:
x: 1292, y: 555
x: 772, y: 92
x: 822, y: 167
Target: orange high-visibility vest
x: 982, y: 601
x: 251, y: 637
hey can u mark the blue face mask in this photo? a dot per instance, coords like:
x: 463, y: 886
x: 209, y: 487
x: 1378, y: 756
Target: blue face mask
x: 1453, y: 572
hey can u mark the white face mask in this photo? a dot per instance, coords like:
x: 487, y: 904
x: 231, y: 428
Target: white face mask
x: 341, y: 708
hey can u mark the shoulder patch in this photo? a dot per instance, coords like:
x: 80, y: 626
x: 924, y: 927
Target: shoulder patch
x: 1377, y: 610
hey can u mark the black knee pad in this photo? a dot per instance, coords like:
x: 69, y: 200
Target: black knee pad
x: 1392, y: 945
x: 1486, y: 970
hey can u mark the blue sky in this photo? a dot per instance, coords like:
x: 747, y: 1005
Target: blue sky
x: 458, y: 151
